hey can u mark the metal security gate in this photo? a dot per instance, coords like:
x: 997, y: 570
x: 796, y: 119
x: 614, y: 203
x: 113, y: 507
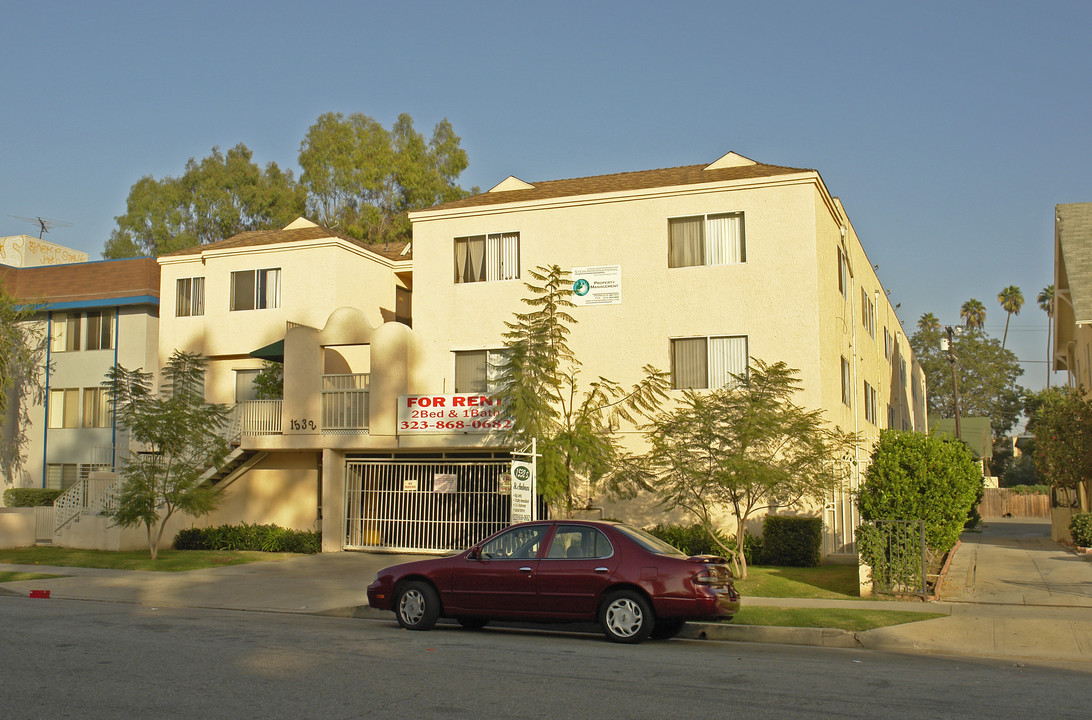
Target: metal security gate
x: 424, y: 506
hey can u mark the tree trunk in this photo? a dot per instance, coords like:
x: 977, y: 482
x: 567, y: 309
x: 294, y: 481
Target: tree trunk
x: 741, y: 557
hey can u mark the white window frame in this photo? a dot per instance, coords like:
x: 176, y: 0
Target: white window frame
x: 64, y: 408
x: 870, y: 403
x: 494, y: 358
x: 847, y: 383
x: 487, y: 258
x: 96, y: 408
x: 868, y: 313
x: 843, y: 273
x: 189, y: 298
x: 723, y: 358
x: 265, y: 294
x: 717, y: 244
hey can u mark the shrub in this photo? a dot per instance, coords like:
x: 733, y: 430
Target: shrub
x: 1080, y: 528
x: 792, y: 541
x: 921, y: 477
x: 264, y: 538
x: 30, y: 497
x: 694, y: 540
x: 691, y: 539
x: 1029, y: 489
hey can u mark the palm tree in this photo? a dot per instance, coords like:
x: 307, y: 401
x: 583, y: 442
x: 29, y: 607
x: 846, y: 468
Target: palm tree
x: 1046, y: 302
x: 1011, y: 300
x: 973, y: 314
x: 929, y: 323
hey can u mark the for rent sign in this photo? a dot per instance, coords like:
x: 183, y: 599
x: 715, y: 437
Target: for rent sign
x: 461, y: 413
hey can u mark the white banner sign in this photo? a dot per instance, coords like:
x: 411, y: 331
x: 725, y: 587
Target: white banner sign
x: 462, y: 413
x: 597, y: 285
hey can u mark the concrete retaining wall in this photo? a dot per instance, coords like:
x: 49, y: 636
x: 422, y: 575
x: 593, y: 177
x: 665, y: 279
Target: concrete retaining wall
x: 16, y: 527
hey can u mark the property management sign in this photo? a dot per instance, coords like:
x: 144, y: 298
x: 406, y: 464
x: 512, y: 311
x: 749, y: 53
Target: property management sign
x: 597, y: 285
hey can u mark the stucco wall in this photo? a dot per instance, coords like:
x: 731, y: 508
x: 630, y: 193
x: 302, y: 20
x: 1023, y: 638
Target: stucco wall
x: 16, y: 527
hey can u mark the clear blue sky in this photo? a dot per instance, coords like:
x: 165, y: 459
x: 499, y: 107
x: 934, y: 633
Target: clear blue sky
x: 949, y: 130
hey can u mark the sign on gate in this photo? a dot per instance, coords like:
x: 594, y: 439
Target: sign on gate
x: 523, y: 491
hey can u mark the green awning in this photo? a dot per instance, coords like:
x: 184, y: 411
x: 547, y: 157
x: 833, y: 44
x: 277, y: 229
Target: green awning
x: 273, y: 352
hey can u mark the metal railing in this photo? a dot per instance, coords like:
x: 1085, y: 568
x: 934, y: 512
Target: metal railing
x: 92, y: 496
x: 425, y: 506
x: 345, y: 402
x: 255, y: 417
x: 900, y: 565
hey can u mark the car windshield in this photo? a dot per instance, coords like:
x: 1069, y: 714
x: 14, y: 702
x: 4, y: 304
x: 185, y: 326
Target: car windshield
x: 649, y: 541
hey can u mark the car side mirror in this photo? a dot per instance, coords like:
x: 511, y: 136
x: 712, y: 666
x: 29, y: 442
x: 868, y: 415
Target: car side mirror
x: 475, y: 553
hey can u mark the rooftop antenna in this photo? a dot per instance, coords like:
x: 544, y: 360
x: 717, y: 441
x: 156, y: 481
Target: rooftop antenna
x: 45, y: 224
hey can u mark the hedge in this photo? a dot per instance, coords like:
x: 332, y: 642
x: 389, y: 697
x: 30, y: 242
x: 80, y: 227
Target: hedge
x: 30, y: 497
x: 263, y: 538
x: 792, y: 541
x: 694, y: 540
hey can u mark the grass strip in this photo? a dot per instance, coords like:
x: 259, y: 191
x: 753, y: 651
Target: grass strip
x: 841, y: 619
x: 168, y: 560
x: 826, y: 582
x: 18, y: 576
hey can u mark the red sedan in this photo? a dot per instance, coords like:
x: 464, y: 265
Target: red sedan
x: 633, y: 584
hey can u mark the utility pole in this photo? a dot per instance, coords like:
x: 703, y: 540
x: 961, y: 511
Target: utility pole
x: 955, y: 383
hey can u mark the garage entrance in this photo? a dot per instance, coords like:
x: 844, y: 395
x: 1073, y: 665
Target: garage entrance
x: 425, y: 505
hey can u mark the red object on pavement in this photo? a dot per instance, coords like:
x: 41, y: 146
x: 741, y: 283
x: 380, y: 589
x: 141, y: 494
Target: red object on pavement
x: 39, y: 593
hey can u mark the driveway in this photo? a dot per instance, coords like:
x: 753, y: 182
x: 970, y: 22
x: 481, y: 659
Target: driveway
x: 1013, y: 561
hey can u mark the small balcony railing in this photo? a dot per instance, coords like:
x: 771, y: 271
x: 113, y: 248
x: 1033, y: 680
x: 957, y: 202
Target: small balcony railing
x: 345, y: 403
x: 255, y: 417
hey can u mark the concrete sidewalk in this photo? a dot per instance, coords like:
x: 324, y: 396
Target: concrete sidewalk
x: 1010, y: 592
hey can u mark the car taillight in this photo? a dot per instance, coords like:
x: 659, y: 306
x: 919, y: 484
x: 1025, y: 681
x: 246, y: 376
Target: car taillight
x: 704, y: 578
x: 713, y: 575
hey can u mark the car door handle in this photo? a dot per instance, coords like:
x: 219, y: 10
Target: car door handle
x: 525, y: 569
x: 602, y: 570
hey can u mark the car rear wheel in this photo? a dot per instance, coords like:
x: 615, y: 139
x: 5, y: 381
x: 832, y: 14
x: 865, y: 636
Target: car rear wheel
x: 417, y: 605
x: 473, y: 623
x: 667, y: 629
x: 626, y: 617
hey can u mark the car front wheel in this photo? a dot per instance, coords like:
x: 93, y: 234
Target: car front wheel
x: 626, y: 617
x: 417, y: 606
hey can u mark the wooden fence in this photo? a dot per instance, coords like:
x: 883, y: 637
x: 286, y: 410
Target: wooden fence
x: 998, y: 503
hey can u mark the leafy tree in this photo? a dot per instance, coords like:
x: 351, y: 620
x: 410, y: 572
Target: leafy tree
x: 218, y: 197
x: 973, y: 314
x: 363, y: 179
x: 1046, y: 304
x: 182, y: 437
x: 269, y: 382
x: 576, y: 427
x: 913, y: 476
x: 987, y: 376
x: 746, y: 447
x: 1063, y: 442
x: 1011, y: 300
x: 22, y: 362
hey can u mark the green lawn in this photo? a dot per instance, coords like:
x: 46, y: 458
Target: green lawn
x: 827, y: 582
x: 168, y: 560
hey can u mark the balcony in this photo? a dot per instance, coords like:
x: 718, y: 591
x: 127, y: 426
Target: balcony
x: 254, y: 417
x: 345, y: 403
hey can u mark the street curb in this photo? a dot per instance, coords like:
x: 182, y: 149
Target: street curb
x: 718, y: 632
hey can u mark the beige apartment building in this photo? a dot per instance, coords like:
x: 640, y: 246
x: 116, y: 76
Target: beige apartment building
x: 692, y: 269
